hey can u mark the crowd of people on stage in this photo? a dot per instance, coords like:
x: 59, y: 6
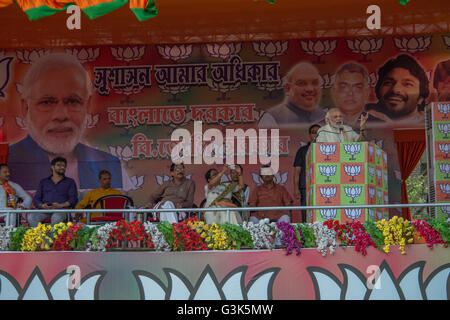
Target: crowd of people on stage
x: 59, y: 191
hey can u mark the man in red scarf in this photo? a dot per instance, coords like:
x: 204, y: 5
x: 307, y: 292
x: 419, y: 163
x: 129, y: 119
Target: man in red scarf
x: 11, y: 195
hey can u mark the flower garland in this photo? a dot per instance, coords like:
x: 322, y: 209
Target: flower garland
x: 187, y: 239
x: 443, y: 227
x: 343, y: 231
x: 238, y: 235
x: 65, y: 238
x: 133, y: 232
x: 215, y: 236
x: 17, y: 237
x: 38, y: 238
x: 396, y: 231
x: 263, y: 233
x: 361, y: 239
x: 5, y: 237
x: 157, y: 237
x: 99, y: 240
x: 289, y: 238
x: 308, y: 239
x: 426, y: 231
x: 324, y: 238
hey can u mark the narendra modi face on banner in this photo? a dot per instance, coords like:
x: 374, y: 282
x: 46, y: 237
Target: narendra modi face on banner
x: 56, y: 96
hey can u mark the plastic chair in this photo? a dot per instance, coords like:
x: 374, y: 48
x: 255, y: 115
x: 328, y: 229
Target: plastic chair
x: 110, y: 202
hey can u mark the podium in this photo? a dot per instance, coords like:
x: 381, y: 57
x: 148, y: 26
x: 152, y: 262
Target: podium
x: 348, y: 173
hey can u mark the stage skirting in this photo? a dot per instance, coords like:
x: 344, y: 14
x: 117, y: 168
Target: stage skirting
x: 420, y: 274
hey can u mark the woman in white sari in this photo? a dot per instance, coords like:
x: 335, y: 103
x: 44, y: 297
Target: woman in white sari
x: 219, y: 196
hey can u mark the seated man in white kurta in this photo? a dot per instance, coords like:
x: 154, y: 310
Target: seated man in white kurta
x: 336, y: 131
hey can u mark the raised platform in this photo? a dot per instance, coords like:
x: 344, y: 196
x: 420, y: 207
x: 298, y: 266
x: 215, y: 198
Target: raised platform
x: 247, y: 274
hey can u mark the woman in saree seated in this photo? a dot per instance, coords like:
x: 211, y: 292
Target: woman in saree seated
x: 219, y: 195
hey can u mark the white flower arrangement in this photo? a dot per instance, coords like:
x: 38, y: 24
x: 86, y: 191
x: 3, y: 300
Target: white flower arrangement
x: 158, y: 239
x: 5, y: 237
x: 324, y: 238
x: 262, y: 233
x: 102, y: 236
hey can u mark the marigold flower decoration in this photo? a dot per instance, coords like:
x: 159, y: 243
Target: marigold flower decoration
x: 186, y: 239
x: 396, y: 231
x: 39, y: 238
x: 215, y: 236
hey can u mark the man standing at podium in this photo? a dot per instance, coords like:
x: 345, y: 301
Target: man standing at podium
x: 336, y: 131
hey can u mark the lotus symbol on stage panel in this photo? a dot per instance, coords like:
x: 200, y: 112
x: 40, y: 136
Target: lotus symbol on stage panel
x: 372, y: 214
x: 445, y: 188
x: 327, y: 150
x: 353, y: 171
x: 327, y: 171
x: 386, y: 199
x: 444, y: 108
x: 370, y: 150
x: 445, y: 169
x: 270, y: 49
x: 446, y: 210
x: 365, y: 46
x: 378, y: 174
x: 223, y: 50
x: 318, y: 48
x: 352, y: 149
x: 385, y: 178
x: 378, y: 152
x: 207, y: 287
x: 385, y: 157
x: 379, y: 194
x: 371, y: 192
x: 328, y: 213
x: 444, y: 148
x: 353, y: 213
x: 413, y: 44
x: 128, y: 53
x: 371, y: 171
x: 175, y: 52
x: 29, y: 56
x: 444, y: 128
x: 353, y: 192
x: 328, y: 192
x: 85, y: 54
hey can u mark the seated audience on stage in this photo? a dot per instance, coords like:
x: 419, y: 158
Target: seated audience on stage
x: 300, y: 169
x: 219, y: 195
x: 269, y: 194
x: 336, y: 131
x: 55, y: 192
x: 13, y: 196
x: 104, y: 178
x: 176, y: 193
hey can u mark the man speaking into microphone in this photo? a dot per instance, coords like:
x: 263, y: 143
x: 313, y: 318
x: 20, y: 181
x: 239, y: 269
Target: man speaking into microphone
x: 336, y: 131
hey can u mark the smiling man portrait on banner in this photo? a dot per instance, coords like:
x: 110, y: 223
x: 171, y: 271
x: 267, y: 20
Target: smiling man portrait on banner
x: 56, y: 96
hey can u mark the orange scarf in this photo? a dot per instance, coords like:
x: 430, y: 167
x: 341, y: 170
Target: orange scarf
x: 10, y: 195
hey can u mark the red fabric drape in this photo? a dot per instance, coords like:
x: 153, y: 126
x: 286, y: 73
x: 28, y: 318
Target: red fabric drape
x: 410, y: 147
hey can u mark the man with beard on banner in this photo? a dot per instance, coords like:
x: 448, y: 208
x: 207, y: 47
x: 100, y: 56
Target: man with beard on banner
x: 402, y: 90
x: 56, y: 98
x: 336, y: 131
x: 441, y: 81
x: 351, y: 92
x: 302, y: 96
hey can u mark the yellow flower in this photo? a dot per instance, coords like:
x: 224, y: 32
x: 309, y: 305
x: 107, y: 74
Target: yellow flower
x: 208, y: 239
x: 203, y: 235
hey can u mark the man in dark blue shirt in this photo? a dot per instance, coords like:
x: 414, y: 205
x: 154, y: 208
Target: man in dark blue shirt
x: 54, y: 192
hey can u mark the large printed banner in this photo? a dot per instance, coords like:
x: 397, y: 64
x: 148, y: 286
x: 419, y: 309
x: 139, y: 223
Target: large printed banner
x: 420, y: 274
x: 141, y: 94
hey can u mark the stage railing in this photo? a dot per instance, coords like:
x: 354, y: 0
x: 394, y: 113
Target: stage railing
x: 145, y: 212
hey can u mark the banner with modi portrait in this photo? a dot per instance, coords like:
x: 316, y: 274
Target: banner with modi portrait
x: 140, y: 94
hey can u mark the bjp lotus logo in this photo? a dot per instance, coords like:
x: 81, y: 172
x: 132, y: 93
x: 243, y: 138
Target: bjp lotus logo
x: 353, y: 171
x: 444, y: 108
x: 328, y: 213
x: 353, y: 213
x: 353, y: 192
x: 328, y: 193
x: 413, y: 44
x: 318, y: 48
x: 365, y: 46
x: 327, y: 150
x: 327, y: 171
x: 175, y: 52
x: 444, y: 128
x: 444, y: 148
x: 270, y: 49
x: 59, y: 288
x: 207, y: 287
x: 356, y: 286
x: 352, y: 149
